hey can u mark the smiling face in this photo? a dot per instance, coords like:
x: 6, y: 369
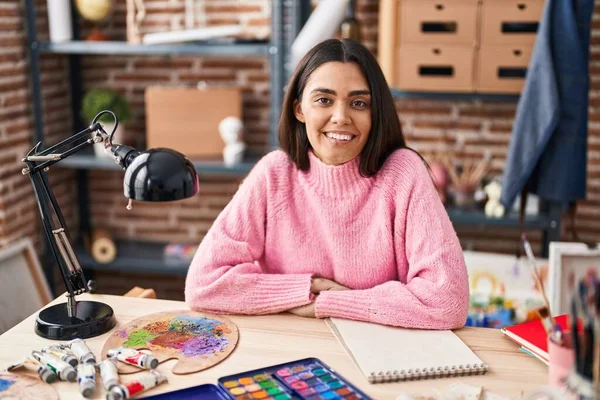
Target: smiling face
x: 336, y: 108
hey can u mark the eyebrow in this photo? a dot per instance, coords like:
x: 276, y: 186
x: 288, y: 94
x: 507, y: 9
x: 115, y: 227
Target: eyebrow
x: 333, y: 92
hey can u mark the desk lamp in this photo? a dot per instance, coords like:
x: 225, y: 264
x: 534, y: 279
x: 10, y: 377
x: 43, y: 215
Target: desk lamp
x: 154, y: 175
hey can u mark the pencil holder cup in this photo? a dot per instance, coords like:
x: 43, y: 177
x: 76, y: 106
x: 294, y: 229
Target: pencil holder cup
x: 464, y: 196
x: 562, y: 358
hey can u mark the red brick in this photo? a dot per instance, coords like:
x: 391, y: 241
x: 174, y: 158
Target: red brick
x: 9, y: 12
x: 167, y: 63
x: 454, y: 125
x: 237, y: 63
x: 206, y: 76
x: 259, y: 22
x: 141, y: 76
x: 233, y: 8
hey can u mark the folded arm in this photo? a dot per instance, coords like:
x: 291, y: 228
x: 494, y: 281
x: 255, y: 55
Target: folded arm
x: 225, y: 275
x: 435, y: 294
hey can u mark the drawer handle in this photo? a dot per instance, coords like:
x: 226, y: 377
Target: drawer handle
x: 517, y: 52
x: 436, y: 51
x: 522, y: 6
x: 439, y: 7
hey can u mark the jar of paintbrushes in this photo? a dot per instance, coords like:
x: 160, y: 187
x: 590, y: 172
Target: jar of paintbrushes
x: 465, y: 177
x: 584, y: 377
x: 560, y: 341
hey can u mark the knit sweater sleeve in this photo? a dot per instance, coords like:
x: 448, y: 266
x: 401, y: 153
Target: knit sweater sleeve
x: 225, y: 275
x: 435, y: 294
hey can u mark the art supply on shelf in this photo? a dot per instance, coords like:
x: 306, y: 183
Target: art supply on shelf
x: 304, y: 379
x: 134, y: 357
x: 62, y: 354
x: 64, y: 371
x: 109, y: 373
x: 86, y: 379
x: 102, y: 246
x: 388, y: 354
x: 142, y: 383
x: 197, y: 340
x: 82, y: 351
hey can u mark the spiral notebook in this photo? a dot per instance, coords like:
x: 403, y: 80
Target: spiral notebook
x: 387, y: 354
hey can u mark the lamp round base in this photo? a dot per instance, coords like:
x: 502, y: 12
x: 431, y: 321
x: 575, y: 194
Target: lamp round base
x: 92, y: 319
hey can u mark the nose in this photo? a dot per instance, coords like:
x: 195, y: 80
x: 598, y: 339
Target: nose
x: 340, y: 115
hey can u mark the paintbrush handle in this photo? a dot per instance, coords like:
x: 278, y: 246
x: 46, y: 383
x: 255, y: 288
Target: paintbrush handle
x: 575, y: 333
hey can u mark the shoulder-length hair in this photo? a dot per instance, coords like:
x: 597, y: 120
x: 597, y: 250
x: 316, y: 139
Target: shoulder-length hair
x: 386, y: 133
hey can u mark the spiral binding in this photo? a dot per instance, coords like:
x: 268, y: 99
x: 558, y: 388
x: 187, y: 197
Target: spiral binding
x: 428, y: 373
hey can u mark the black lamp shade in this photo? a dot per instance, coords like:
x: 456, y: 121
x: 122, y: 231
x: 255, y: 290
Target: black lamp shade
x: 160, y: 175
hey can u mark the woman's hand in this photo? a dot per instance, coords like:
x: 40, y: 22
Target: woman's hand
x: 306, y: 311
x: 319, y: 285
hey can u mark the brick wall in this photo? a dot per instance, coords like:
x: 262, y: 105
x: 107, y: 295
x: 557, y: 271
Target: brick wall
x: 428, y: 125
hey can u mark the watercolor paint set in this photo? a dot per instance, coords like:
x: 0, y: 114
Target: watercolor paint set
x: 306, y: 379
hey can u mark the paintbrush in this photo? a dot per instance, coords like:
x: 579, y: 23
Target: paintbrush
x: 538, y: 280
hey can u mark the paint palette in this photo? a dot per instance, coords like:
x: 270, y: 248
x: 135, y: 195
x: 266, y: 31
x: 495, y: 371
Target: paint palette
x: 198, y: 340
x: 307, y: 379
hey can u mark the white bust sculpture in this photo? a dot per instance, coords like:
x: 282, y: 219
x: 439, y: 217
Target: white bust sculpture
x: 231, y: 129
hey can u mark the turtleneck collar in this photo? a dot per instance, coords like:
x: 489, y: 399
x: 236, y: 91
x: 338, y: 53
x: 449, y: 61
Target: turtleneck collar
x: 336, y: 181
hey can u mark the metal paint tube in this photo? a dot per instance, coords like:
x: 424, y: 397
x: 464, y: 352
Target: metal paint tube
x: 86, y: 379
x: 109, y: 373
x: 82, y: 351
x: 45, y: 373
x: 62, y: 354
x: 64, y: 371
x: 145, y: 381
x: 134, y: 357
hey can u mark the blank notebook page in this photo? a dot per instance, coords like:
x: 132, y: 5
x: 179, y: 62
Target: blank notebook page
x: 386, y: 354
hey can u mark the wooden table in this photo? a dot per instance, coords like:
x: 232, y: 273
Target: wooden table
x: 274, y: 339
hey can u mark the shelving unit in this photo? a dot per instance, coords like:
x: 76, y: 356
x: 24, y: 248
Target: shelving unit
x: 147, y: 257
x: 287, y: 19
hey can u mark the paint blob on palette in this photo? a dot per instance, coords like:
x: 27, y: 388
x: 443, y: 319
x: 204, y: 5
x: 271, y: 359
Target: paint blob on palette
x: 197, y: 340
x: 308, y: 379
x: 25, y: 387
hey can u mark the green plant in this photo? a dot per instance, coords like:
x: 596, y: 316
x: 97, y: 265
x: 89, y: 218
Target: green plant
x: 97, y: 100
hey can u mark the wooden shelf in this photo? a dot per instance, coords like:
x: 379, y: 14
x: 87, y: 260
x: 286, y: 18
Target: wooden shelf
x: 137, y: 257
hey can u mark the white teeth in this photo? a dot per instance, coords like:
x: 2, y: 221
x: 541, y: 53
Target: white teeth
x: 338, y: 136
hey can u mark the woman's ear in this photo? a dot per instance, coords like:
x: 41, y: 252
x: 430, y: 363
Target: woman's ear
x: 298, y: 111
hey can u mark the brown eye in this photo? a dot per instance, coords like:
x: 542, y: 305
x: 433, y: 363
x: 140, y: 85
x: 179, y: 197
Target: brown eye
x: 323, y: 100
x: 359, y: 104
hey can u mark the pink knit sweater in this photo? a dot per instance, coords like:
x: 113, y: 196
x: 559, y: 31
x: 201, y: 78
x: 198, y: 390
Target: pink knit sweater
x: 388, y: 238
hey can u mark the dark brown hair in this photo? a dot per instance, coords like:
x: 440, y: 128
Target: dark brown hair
x: 386, y: 133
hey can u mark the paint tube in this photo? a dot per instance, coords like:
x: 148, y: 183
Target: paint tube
x: 62, y: 354
x: 64, y: 371
x: 134, y: 357
x: 82, y: 351
x: 109, y: 373
x: 86, y: 379
x: 145, y: 381
x: 18, y: 364
x: 45, y: 373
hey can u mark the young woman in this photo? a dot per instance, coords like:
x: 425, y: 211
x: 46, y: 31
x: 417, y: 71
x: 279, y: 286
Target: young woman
x: 344, y: 221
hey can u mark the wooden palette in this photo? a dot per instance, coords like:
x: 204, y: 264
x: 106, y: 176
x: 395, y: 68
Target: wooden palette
x: 197, y: 340
x: 17, y: 386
